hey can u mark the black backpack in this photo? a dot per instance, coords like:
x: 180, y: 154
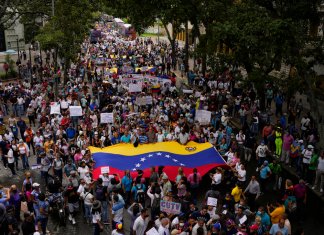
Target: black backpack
x: 140, y: 194
x: 156, y: 203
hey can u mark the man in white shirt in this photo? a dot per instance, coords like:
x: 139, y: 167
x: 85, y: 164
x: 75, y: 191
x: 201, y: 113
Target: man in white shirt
x: 164, y: 227
x: 241, y: 174
x: 38, y: 139
x: 261, y: 152
x: 11, y: 162
x: 140, y: 223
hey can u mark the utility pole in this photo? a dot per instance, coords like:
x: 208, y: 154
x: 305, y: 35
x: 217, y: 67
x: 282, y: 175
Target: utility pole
x: 53, y: 8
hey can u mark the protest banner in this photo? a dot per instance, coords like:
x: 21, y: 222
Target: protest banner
x: 203, y: 116
x: 144, y: 100
x: 105, y: 170
x: 211, y: 201
x: 170, y: 207
x: 75, y: 111
x: 106, y: 118
x: 187, y: 91
x: 55, y: 108
x: 134, y: 87
x: 149, y: 99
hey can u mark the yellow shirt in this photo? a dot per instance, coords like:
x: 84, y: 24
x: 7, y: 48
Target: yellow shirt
x: 276, y: 214
x: 47, y: 146
x: 236, y: 193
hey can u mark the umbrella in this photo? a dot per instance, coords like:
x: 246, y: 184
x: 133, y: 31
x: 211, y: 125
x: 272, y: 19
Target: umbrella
x: 11, y: 52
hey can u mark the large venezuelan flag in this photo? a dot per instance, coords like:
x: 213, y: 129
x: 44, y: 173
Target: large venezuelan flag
x: 171, y: 155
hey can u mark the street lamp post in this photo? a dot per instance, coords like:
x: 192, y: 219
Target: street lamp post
x: 30, y: 64
x: 18, y: 60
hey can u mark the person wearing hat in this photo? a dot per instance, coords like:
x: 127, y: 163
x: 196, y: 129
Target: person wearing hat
x: 119, y: 230
x: 96, y: 217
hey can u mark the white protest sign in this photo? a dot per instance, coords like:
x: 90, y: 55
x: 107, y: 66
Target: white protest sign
x: 243, y: 219
x: 105, y: 170
x: 211, y: 201
x: 55, y: 108
x: 149, y: 100
x: 75, y: 111
x: 170, y: 207
x: 187, y: 91
x: 203, y: 116
x: 152, y: 231
x: 106, y: 118
x: 135, y: 87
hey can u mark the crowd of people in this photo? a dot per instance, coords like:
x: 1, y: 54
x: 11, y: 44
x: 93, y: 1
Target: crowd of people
x: 101, y: 82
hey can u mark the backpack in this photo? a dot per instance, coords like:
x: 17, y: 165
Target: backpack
x: 100, y: 193
x: 156, y: 203
x: 140, y: 194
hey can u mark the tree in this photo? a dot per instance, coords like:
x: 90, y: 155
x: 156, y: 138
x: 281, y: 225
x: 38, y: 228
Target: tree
x: 13, y: 10
x: 67, y: 29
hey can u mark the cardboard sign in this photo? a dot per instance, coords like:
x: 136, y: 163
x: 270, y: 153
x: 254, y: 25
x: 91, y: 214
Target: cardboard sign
x: 187, y: 91
x: 211, y: 201
x: 106, y: 118
x: 105, y: 170
x: 203, y: 116
x: 55, y: 108
x: 243, y: 219
x: 144, y: 100
x: 170, y: 207
x: 75, y: 111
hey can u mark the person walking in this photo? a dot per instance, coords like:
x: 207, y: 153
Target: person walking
x: 319, y: 178
x: 24, y: 153
x: 253, y: 192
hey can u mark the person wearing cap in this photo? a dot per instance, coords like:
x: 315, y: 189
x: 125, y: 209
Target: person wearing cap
x: 118, y: 230
x: 306, y: 155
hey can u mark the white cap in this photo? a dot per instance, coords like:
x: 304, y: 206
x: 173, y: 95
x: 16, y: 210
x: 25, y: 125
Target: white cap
x: 36, y: 184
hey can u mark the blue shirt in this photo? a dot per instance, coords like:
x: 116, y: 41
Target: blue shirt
x: 127, y: 183
x: 275, y: 228
x: 125, y: 138
x: 264, y: 172
x: 265, y: 219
